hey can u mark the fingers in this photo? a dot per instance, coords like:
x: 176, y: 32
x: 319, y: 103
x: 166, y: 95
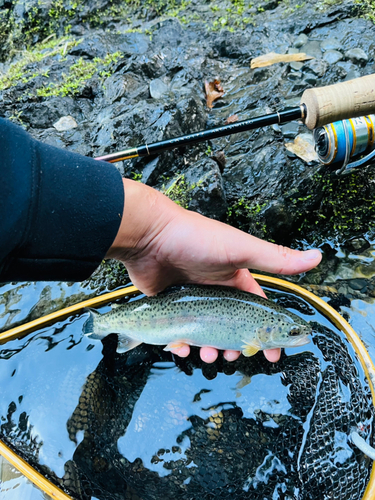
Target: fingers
x: 272, y: 355
x: 209, y: 354
x: 248, y: 252
x: 242, y: 280
x: 183, y: 351
x: 282, y: 260
x: 231, y: 355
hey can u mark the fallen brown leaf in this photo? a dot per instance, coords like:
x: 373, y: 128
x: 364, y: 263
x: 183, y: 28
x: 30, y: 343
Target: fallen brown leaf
x: 214, y: 90
x: 303, y: 147
x: 273, y: 58
x: 231, y: 119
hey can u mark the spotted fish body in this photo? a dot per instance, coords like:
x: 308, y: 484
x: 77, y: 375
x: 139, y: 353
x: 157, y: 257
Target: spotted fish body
x: 201, y: 315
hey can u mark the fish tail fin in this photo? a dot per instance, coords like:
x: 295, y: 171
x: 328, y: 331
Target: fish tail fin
x: 89, y: 326
x: 362, y: 445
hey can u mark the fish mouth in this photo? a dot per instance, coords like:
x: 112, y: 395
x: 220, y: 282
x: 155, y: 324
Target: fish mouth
x: 302, y: 340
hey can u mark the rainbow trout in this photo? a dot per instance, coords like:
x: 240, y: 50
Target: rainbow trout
x: 201, y: 315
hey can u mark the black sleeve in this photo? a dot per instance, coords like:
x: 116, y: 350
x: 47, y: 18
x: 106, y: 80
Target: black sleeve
x: 59, y: 211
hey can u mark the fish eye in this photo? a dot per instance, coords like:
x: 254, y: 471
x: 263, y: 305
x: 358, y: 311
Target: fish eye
x: 294, y: 331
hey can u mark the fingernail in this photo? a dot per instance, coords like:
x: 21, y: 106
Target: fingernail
x: 311, y: 254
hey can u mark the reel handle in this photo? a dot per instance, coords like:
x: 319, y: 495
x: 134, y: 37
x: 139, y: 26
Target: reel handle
x: 339, y: 101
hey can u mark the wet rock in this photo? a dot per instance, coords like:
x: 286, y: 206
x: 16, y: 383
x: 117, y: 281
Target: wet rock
x: 94, y: 45
x: 234, y: 45
x: 65, y: 123
x: 293, y: 50
x: 158, y: 88
x: 318, y: 67
x: 169, y: 32
x: 332, y: 56
x: 312, y: 48
x: 309, y: 80
x: 331, y: 44
x: 45, y: 114
x: 130, y: 44
x: 206, y: 191
x: 358, y: 284
x: 277, y: 215
x: 300, y: 41
x: 152, y: 170
x: 290, y: 130
x: 296, y: 66
x: 352, y: 75
x: 357, y: 55
x: 121, y: 85
x: 357, y: 244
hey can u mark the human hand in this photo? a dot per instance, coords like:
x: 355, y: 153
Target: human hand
x: 162, y: 244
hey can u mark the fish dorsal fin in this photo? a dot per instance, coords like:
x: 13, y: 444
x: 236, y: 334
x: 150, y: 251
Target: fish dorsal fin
x: 250, y: 348
x: 126, y: 343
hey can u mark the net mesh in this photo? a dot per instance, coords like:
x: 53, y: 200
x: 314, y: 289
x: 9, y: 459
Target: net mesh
x: 297, y: 448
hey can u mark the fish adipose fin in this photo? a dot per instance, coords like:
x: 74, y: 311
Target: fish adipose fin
x: 126, y: 343
x: 89, y: 324
x: 249, y: 349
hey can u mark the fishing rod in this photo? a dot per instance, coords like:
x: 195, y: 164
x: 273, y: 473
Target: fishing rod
x: 338, y: 103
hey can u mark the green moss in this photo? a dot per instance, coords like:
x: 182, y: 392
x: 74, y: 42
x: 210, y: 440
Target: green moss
x: 79, y: 73
x: 232, y: 18
x: 57, y: 17
x: 346, y: 207
x: 246, y: 215
x: 367, y: 8
x: 136, y: 176
x: 179, y: 191
x: 18, y: 72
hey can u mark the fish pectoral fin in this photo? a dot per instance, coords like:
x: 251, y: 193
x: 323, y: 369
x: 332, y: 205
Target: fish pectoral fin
x: 173, y: 345
x: 127, y: 344
x: 250, y: 348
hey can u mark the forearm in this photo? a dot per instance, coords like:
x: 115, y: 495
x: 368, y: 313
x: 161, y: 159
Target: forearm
x: 59, y: 212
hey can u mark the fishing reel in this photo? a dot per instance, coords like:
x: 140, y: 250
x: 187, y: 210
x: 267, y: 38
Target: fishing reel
x: 341, y: 141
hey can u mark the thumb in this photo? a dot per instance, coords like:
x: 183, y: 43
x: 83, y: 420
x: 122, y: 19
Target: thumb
x: 249, y: 252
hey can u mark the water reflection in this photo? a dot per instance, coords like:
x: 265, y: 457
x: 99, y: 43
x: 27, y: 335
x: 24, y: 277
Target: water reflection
x: 14, y: 486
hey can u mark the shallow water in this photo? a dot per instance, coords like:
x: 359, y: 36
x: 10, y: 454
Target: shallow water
x: 162, y: 427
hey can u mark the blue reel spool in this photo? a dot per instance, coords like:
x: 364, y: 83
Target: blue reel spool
x: 340, y: 141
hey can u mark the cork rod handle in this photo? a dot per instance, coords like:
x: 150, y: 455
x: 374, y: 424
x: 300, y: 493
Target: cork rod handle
x: 336, y: 102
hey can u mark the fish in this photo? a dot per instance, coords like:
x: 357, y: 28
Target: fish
x: 201, y: 315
